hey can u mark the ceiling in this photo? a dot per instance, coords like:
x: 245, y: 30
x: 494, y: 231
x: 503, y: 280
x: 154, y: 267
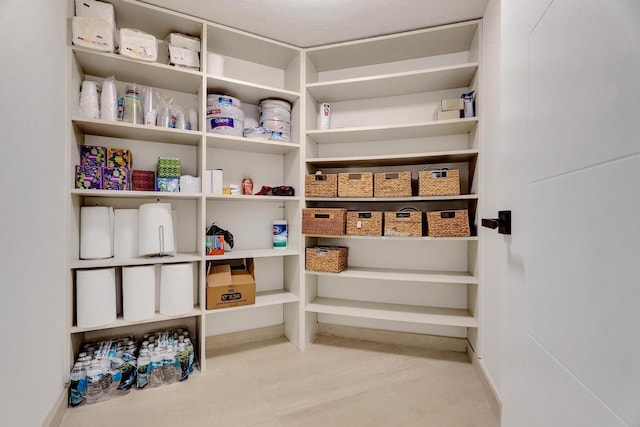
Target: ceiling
x: 307, y: 23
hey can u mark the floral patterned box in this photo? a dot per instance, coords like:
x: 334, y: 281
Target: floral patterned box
x: 89, y: 177
x: 115, y: 179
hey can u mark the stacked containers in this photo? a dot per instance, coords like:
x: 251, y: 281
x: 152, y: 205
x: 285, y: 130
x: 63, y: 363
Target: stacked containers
x: 224, y: 115
x: 275, y: 115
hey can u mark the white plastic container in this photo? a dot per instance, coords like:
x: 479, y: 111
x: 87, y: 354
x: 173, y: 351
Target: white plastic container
x: 280, y: 234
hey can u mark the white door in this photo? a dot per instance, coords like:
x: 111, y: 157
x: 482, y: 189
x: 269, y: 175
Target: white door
x: 570, y: 171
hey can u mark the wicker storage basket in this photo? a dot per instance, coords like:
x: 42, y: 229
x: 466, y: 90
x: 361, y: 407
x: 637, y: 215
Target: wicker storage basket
x: 403, y: 223
x: 332, y: 259
x: 448, y: 223
x: 325, y: 185
x: 364, y: 223
x: 355, y: 184
x: 443, y: 182
x: 392, y: 184
x: 324, y: 221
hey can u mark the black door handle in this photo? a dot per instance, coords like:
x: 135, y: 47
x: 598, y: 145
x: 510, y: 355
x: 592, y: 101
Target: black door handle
x: 502, y: 223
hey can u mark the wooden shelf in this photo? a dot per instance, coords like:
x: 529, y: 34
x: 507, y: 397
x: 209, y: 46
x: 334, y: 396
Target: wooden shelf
x: 119, y: 262
x: 263, y: 299
x: 153, y: 74
x: 394, y: 132
x: 139, y: 132
x: 252, y: 198
x: 134, y: 194
x: 393, y: 312
x: 451, y: 77
x: 392, y: 199
x: 248, y: 93
x: 411, y: 239
x: 237, y: 44
x: 120, y: 322
x: 253, y: 253
x: 397, y: 47
x: 454, y: 156
x: 402, y: 275
x: 254, y: 145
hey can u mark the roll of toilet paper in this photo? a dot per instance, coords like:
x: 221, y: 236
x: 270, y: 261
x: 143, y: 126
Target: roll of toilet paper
x: 96, y: 232
x: 176, y: 289
x: 155, y: 229
x: 95, y: 297
x: 138, y: 292
x: 125, y: 233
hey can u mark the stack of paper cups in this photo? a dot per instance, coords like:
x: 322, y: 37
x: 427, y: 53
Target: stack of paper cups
x: 109, y: 100
x: 89, y: 107
x: 176, y: 289
x: 95, y: 297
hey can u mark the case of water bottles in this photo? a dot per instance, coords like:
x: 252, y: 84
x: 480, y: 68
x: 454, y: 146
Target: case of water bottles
x: 112, y: 367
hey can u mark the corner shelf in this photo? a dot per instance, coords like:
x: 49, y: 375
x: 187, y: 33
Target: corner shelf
x: 263, y: 299
x: 393, y: 312
x: 120, y: 322
x: 253, y: 253
x: 394, y: 132
x: 118, y: 262
x: 137, y: 131
x: 402, y: 275
x: 254, y: 145
x: 250, y: 93
x: 454, y: 156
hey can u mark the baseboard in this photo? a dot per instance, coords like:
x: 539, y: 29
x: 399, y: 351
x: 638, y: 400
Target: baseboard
x: 492, y: 393
x: 244, y: 337
x: 392, y: 337
x: 56, y: 414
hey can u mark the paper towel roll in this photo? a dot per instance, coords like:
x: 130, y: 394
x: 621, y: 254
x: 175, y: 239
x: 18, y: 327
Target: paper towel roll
x: 96, y: 232
x: 138, y: 292
x: 125, y: 233
x: 176, y: 289
x: 155, y: 229
x: 95, y: 297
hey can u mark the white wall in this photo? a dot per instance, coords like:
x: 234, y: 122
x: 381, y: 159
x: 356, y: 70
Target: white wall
x: 570, y: 156
x: 32, y: 218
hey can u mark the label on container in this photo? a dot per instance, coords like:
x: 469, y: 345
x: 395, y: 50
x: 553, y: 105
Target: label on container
x: 222, y: 122
x: 279, y: 234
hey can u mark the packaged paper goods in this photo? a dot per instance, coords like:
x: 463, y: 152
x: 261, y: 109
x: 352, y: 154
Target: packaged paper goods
x: 92, y: 32
x: 403, y: 223
x: 454, y: 223
x: 321, y: 185
x: 331, y: 259
x: 364, y: 223
x: 355, y: 184
x: 440, y: 182
x: 324, y: 221
x: 138, y: 45
x: 392, y: 184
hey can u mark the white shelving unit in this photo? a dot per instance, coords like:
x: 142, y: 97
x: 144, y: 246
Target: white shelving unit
x: 255, y: 69
x: 383, y: 92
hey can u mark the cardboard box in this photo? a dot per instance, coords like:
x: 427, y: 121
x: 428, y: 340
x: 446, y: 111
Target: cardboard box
x: 452, y: 104
x: 230, y: 288
x: 89, y: 177
x: 447, y: 115
x: 115, y: 179
x: 93, y: 155
x: 118, y: 158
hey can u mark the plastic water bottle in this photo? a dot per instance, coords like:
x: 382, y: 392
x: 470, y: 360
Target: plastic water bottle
x: 191, y: 351
x: 78, y: 386
x: 155, y: 375
x: 169, y: 365
x: 144, y: 368
x: 94, y: 387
